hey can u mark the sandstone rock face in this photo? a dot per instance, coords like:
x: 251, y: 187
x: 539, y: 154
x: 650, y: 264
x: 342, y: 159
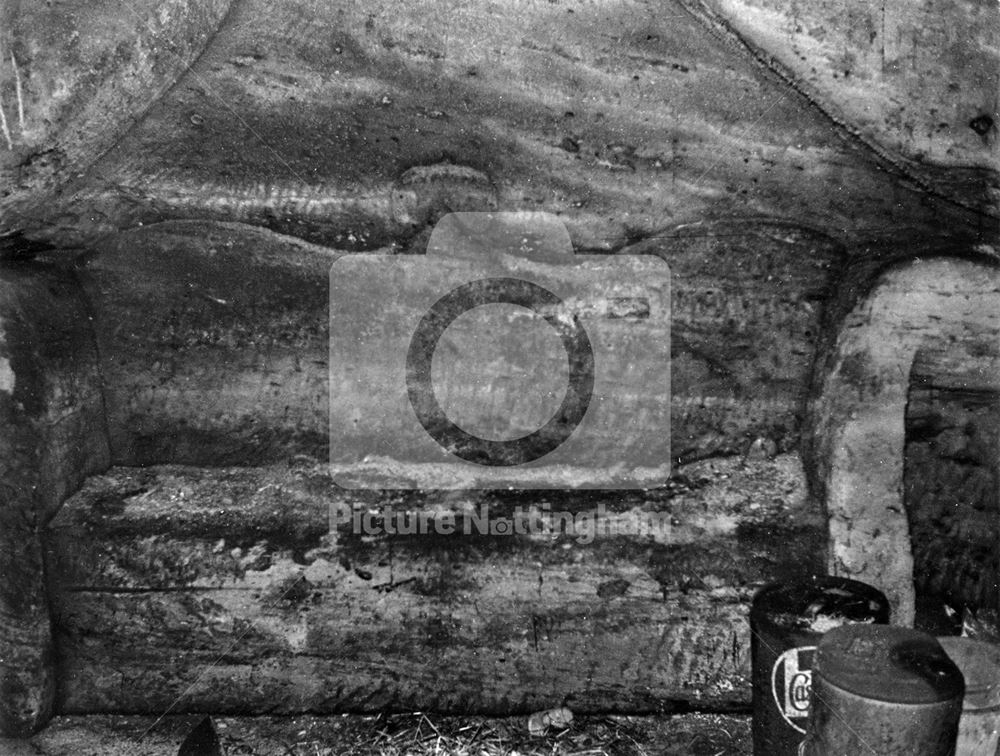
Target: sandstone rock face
x: 184, y: 176
x: 226, y: 589
x: 946, y: 308
x: 950, y: 492
x: 672, y: 116
x: 75, y: 77
x: 921, y: 79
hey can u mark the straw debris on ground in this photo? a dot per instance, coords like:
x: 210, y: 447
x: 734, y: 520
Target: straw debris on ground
x: 414, y: 734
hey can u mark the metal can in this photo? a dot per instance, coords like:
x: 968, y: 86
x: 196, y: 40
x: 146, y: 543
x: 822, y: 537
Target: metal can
x: 787, y: 619
x: 880, y: 690
x: 979, y: 727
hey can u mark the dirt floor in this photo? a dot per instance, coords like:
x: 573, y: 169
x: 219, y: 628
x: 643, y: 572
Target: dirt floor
x: 416, y: 734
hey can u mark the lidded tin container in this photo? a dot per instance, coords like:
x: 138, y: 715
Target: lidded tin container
x: 787, y: 620
x: 979, y: 727
x: 883, y: 691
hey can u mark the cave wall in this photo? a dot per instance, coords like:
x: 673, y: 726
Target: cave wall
x: 942, y: 306
x: 951, y: 494
x: 184, y: 175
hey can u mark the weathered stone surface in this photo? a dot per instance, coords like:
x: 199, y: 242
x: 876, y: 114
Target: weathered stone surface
x: 310, y: 118
x: 950, y: 479
x: 748, y: 302
x: 912, y: 77
x: 52, y: 436
x: 214, y: 338
x: 355, y: 126
x: 219, y: 590
x: 86, y: 74
x: 857, y: 418
x: 213, y: 343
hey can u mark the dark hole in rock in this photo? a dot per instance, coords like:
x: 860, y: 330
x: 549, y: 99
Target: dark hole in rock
x: 981, y: 124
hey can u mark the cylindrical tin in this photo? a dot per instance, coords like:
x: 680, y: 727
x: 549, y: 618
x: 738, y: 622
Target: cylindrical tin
x: 883, y: 691
x: 979, y: 727
x: 786, y: 622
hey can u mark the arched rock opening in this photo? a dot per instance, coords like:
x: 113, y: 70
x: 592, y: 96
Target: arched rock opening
x: 938, y: 319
